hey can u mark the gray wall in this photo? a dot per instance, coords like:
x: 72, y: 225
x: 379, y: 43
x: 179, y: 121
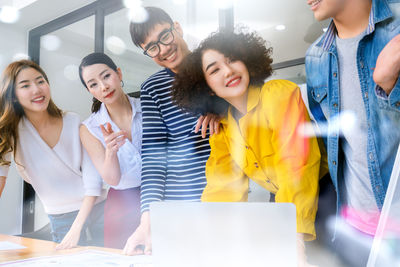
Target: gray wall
x: 11, y: 200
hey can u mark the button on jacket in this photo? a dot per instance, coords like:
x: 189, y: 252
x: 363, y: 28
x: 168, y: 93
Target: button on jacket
x: 267, y: 146
x: 383, y: 112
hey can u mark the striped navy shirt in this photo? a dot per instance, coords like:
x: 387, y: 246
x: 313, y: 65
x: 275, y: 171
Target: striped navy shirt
x: 173, y: 156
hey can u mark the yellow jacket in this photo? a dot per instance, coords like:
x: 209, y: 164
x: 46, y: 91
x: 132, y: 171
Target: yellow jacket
x: 266, y: 145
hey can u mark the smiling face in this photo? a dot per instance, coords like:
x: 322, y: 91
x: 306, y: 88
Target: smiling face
x: 170, y: 55
x: 228, y: 79
x: 103, y: 82
x: 32, y: 90
x: 324, y: 9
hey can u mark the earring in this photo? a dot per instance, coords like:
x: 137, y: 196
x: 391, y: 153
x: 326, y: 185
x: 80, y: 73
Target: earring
x: 122, y: 83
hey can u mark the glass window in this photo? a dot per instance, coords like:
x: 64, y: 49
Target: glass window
x: 135, y: 66
x: 296, y: 74
x: 288, y: 25
x: 60, y: 54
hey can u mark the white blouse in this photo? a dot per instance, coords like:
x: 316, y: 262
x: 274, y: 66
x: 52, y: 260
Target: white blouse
x: 129, y: 156
x: 61, y: 176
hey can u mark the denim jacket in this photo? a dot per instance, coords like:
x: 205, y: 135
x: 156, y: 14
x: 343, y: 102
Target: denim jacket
x: 382, y: 111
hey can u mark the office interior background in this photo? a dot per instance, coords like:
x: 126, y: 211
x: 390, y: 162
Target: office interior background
x: 57, y: 34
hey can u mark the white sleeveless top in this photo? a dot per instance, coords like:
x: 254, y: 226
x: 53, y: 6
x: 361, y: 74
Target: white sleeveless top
x: 129, y: 154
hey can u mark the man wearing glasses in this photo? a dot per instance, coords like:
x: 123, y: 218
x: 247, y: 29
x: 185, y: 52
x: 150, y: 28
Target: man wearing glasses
x: 174, y: 155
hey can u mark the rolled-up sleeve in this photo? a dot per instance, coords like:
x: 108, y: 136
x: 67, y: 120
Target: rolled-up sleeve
x: 92, y: 181
x: 393, y: 99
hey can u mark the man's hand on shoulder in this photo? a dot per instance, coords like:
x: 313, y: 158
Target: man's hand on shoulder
x: 210, y: 120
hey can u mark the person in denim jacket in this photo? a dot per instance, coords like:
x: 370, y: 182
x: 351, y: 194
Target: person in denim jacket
x: 354, y: 96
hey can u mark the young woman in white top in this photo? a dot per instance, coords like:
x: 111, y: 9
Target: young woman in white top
x: 112, y: 137
x: 45, y: 144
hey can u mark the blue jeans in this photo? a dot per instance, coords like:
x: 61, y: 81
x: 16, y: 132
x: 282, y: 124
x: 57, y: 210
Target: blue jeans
x: 92, y: 233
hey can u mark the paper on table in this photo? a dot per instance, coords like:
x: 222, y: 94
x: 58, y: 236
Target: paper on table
x: 84, y: 258
x: 5, y: 245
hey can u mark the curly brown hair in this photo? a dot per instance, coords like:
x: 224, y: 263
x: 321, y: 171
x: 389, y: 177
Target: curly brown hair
x: 190, y: 90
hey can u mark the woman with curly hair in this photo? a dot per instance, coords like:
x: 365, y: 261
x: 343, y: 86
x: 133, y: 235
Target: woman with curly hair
x: 48, y: 153
x: 259, y: 136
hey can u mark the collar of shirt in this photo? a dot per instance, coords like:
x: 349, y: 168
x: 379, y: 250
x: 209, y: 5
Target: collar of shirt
x: 105, y: 117
x: 253, y: 98
x: 380, y: 11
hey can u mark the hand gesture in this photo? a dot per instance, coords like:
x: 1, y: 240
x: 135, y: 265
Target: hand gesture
x: 70, y: 240
x: 140, y: 241
x: 210, y: 120
x: 113, y: 140
x: 301, y: 252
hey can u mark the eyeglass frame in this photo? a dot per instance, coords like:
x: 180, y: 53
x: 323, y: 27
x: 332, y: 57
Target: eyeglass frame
x: 170, y: 30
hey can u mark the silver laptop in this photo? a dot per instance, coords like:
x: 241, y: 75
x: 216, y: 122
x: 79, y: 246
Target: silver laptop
x: 223, y: 234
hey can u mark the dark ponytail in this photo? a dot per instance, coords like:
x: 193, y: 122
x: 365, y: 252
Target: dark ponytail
x: 96, y: 104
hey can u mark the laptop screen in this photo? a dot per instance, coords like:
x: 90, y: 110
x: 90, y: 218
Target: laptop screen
x: 223, y: 234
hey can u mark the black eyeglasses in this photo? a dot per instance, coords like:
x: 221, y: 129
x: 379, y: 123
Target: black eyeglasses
x: 165, y: 39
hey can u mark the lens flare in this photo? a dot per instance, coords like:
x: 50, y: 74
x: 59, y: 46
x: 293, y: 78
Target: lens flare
x: 50, y: 42
x: 115, y: 45
x: 9, y: 14
x: 138, y: 15
x: 71, y: 72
